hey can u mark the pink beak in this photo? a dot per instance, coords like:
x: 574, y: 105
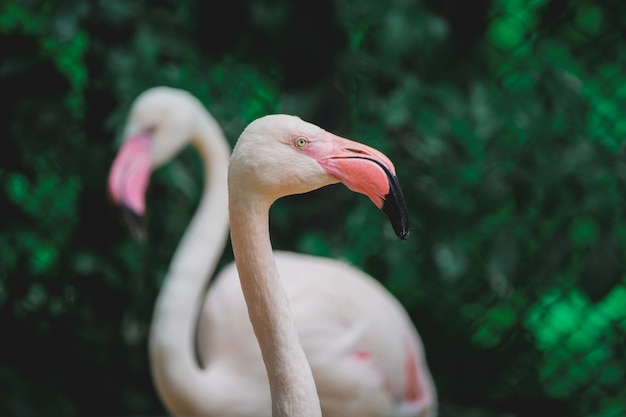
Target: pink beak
x: 129, y: 177
x: 367, y: 171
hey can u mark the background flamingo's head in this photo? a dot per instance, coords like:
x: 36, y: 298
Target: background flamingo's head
x: 160, y: 124
x: 280, y: 155
x: 168, y: 116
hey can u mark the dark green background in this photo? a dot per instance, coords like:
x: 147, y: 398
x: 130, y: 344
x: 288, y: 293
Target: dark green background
x: 505, y: 120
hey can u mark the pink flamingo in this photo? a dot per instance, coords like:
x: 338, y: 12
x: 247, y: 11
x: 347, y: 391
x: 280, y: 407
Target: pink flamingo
x: 353, y: 350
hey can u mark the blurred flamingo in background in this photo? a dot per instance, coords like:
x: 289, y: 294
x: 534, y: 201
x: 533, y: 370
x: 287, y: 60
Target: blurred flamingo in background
x: 365, y: 355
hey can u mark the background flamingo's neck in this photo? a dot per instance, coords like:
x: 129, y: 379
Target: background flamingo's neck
x: 291, y: 381
x: 180, y: 381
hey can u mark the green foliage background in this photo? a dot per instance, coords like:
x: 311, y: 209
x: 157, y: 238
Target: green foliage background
x: 505, y: 122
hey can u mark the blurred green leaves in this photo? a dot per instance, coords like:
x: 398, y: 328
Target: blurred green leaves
x: 49, y: 202
x: 578, y: 339
x: 59, y: 38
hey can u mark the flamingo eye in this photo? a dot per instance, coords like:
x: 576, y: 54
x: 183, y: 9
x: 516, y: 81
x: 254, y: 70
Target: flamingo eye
x: 301, y: 142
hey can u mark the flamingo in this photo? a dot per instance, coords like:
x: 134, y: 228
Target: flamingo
x: 353, y: 350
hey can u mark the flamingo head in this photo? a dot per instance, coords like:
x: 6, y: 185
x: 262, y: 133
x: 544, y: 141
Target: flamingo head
x: 160, y: 124
x: 280, y: 155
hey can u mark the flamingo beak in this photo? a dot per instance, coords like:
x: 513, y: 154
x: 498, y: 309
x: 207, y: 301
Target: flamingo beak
x: 128, y: 181
x: 367, y: 171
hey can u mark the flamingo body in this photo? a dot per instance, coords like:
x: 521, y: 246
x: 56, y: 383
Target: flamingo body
x: 360, y: 343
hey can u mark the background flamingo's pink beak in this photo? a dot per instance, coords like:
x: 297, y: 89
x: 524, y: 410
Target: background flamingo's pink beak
x: 128, y: 179
x: 367, y: 171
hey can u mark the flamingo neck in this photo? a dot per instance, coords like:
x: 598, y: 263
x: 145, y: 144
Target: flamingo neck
x: 179, y: 379
x: 291, y: 381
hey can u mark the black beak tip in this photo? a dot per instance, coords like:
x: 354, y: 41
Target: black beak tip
x: 395, y: 208
x: 134, y: 222
x: 397, y: 214
x: 394, y: 205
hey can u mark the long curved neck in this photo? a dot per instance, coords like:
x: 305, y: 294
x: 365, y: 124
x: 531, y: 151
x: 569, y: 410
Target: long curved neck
x: 178, y: 377
x: 291, y: 381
